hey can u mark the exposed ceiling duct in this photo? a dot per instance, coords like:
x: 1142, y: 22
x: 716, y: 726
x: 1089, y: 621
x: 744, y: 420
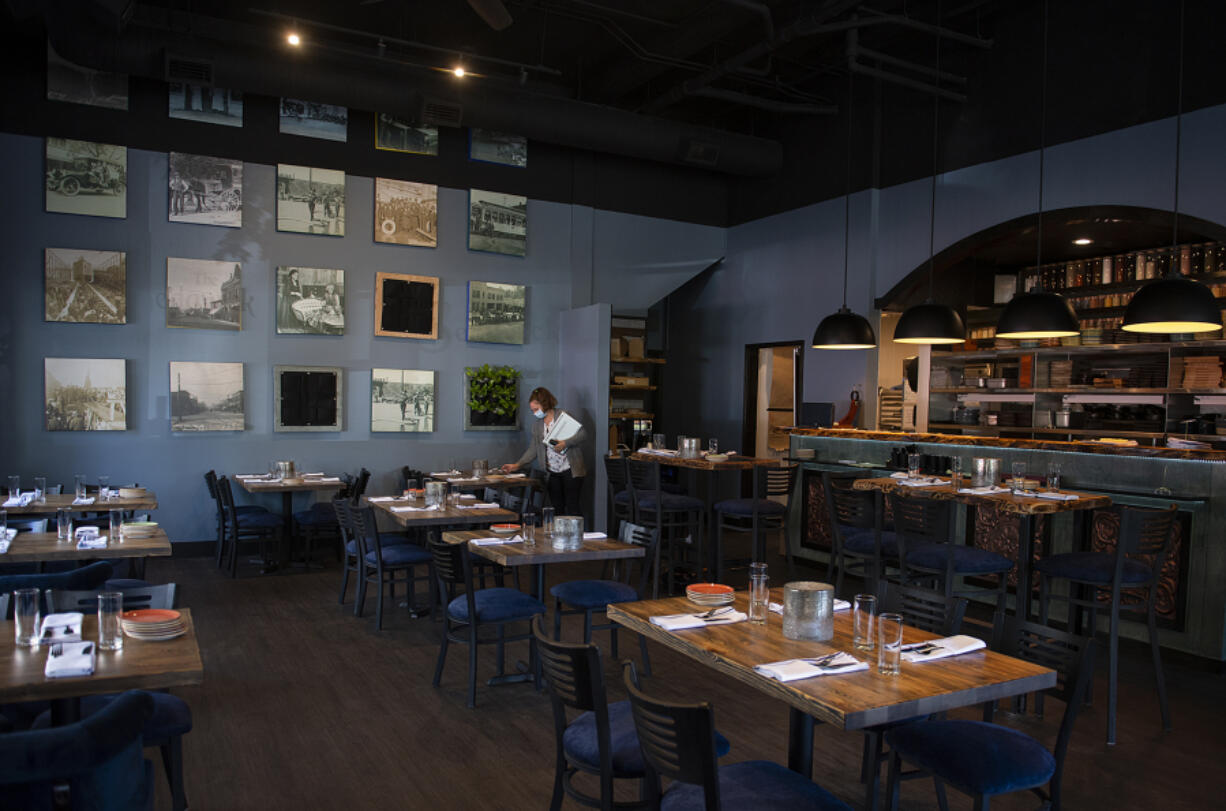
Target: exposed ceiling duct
x: 248, y: 59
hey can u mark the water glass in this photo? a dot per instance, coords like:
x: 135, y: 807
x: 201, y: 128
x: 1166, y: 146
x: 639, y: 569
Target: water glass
x: 4, y: 525
x: 913, y: 465
x: 955, y: 468
x: 658, y: 441
x: 40, y: 489
x: 116, y: 526
x: 435, y: 493
x: 759, y: 593
x: 409, y: 485
x: 1019, y: 476
x: 104, y: 487
x: 889, y: 638
x: 26, y: 617
x: 547, y: 521
x: 110, y: 607
x: 14, y: 486
x: 1053, y: 476
x: 79, y: 485
x: 453, y: 495
x: 712, y: 445
x: 864, y: 608
x: 63, y: 525
x: 528, y: 522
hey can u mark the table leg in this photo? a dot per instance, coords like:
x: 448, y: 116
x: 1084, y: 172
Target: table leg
x: 287, y: 516
x: 538, y: 581
x: 65, y: 711
x: 1025, y: 551
x: 800, y: 742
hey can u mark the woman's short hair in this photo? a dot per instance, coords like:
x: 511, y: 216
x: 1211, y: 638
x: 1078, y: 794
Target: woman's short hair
x: 543, y: 396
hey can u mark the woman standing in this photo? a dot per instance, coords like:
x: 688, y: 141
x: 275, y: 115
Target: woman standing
x: 562, y: 460
x: 289, y: 295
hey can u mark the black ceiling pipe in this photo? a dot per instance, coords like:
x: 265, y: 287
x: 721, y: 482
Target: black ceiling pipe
x: 384, y: 86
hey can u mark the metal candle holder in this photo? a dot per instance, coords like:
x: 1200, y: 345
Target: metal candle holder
x: 808, y: 610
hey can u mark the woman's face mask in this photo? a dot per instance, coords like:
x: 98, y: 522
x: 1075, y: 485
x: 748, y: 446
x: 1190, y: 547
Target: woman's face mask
x: 540, y: 415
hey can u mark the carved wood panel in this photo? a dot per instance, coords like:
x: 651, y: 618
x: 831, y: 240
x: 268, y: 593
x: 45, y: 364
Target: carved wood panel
x: 996, y: 531
x: 1104, y: 537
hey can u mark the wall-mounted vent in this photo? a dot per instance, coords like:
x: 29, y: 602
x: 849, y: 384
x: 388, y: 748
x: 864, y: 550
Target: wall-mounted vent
x: 435, y: 112
x: 188, y: 70
x: 698, y: 153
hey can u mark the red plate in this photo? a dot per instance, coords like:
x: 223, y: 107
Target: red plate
x: 150, y: 615
x: 709, y: 589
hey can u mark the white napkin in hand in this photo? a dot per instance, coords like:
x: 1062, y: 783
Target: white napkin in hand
x: 949, y: 646
x: 680, y: 622
x: 496, y: 541
x: 64, y: 627
x: 794, y: 669
x: 1053, y: 495
x: 839, y: 605
x: 75, y: 659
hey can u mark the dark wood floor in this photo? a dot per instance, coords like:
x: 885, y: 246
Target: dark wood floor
x: 305, y: 706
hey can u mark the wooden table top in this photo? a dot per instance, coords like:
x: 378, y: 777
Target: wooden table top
x: 268, y: 486
x: 441, y: 517
x: 40, y: 546
x: 1005, y: 502
x: 53, y: 502
x: 466, y: 482
x: 850, y: 700
x: 139, y: 666
x: 733, y: 462
x: 517, y: 554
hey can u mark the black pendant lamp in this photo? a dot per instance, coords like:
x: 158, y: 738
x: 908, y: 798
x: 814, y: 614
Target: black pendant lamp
x: 1037, y: 313
x: 845, y: 329
x: 932, y: 323
x: 1174, y: 304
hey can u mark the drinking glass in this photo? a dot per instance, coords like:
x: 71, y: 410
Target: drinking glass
x: 40, y: 489
x: 453, y: 496
x: 63, y: 525
x: 889, y: 637
x: 658, y: 441
x: 759, y: 593
x: 865, y: 608
x: 1019, y: 475
x: 913, y: 466
x: 712, y: 445
x: 1053, y: 476
x: 110, y: 607
x: 26, y: 617
x: 104, y: 487
x: 547, y: 521
x: 14, y: 486
x: 528, y: 520
x: 79, y: 485
x: 435, y: 493
x: 4, y: 525
x: 409, y: 486
x: 680, y: 440
x: 116, y: 526
x: 955, y: 467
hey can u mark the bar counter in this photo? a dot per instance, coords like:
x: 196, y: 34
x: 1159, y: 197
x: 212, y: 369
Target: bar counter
x: 1192, y: 603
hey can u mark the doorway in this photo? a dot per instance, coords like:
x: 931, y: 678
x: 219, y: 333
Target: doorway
x: 773, y: 385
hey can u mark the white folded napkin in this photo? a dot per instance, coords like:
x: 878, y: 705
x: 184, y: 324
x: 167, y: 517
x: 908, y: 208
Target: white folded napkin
x: 468, y: 495
x: 949, y: 646
x: 795, y: 669
x: 329, y: 479
x: 63, y: 627
x: 481, y: 505
x: 839, y: 605
x: 21, y: 500
x: 924, y: 482
x: 83, y: 501
x: 901, y: 474
x: 446, y: 473
x: 496, y: 541
x: 460, y: 479
x: 680, y: 622
x: 515, y: 475
x: 594, y: 536
x: 659, y: 451
x: 1053, y: 495
x: 987, y: 490
x: 412, y: 509
x: 92, y: 542
x: 380, y: 499
x: 251, y: 476
x: 9, y: 535
x: 75, y: 659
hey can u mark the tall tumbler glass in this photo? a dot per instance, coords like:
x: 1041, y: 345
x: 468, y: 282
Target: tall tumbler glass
x: 4, y: 525
x: 659, y: 442
x: 104, y: 487
x: 547, y: 521
x: 110, y: 608
x: 79, y: 485
x: 14, y: 486
x: 63, y: 525
x: 528, y: 520
x: 889, y: 638
x: 1053, y: 476
x: 40, y: 489
x: 913, y: 465
x: 116, y: 526
x: 955, y: 469
x: 864, y: 607
x: 759, y: 593
x: 26, y: 617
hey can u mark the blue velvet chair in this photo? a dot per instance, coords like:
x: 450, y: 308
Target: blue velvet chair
x: 385, y: 565
x: 984, y: 759
x: 210, y: 481
x: 94, y: 576
x: 858, y: 544
x: 679, y: 518
x: 619, y: 585
x: 245, y: 527
x: 466, y: 613
x: 756, y: 516
x: 1144, y: 541
x: 99, y: 757
x: 678, y: 741
x: 319, y: 521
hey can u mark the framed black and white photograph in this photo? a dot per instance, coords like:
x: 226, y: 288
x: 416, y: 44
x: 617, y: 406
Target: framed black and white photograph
x: 401, y: 135
x: 406, y: 306
x: 310, y: 301
x: 204, y: 294
x: 497, y: 147
x: 496, y: 312
x: 401, y: 400
x: 86, y: 287
x: 206, y: 396
x: 208, y: 105
x: 307, y: 398
x: 497, y: 223
x: 310, y: 200
x: 314, y: 120
x: 406, y: 213
x: 84, y: 177
x: 85, y: 394
x: 78, y: 85
x: 205, y: 190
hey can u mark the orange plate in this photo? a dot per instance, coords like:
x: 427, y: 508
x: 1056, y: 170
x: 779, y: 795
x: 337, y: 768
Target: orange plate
x: 504, y: 527
x: 709, y: 589
x: 150, y: 615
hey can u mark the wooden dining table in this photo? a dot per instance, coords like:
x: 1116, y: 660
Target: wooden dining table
x: 1025, y: 507
x: 444, y: 516
x: 40, y: 547
x: 140, y: 665
x: 307, y: 485
x: 52, y: 503
x: 850, y: 701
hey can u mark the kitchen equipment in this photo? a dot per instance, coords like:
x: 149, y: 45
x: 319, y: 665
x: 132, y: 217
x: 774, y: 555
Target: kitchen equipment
x: 1063, y: 417
x: 985, y: 471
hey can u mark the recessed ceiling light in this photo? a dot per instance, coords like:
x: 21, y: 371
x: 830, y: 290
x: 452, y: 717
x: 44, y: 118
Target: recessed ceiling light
x: 1083, y: 241
x: 459, y: 72
x: 293, y: 39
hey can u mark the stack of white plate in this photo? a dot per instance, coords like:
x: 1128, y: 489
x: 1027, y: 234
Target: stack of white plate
x: 153, y: 624
x: 709, y: 594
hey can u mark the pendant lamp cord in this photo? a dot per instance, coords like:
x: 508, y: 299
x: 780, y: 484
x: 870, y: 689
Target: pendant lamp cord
x: 936, y: 129
x: 1038, y: 258
x: 1174, y: 269
x: 847, y: 190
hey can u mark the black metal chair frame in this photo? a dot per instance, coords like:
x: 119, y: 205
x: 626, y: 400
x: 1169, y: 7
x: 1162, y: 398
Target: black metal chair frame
x: 618, y: 478
x: 859, y: 509
x: 644, y: 480
x: 768, y: 482
x: 160, y: 596
x: 237, y: 534
x: 363, y: 527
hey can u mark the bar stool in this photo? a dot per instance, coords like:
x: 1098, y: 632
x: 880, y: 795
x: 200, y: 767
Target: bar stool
x: 1144, y: 534
x: 678, y: 517
x: 619, y: 491
x: 853, y: 529
x: 756, y: 515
